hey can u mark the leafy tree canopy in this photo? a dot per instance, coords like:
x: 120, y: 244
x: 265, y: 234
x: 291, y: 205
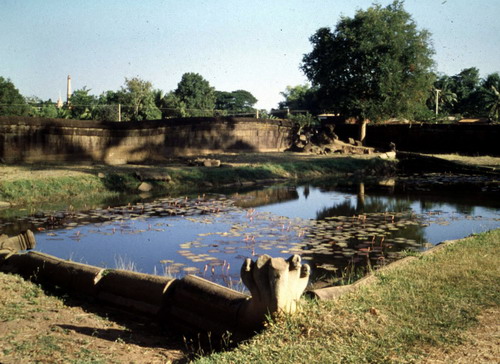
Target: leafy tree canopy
x: 140, y: 98
x: 195, y: 95
x: 486, y: 98
x: 11, y: 101
x: 107, y: 106
x: 467, y: 94
x: 375, y: 65
x: 44, y: 109
x: 300, y: 97
x: 235, y: 101
x: 82, y: 104
x: 446, y: 96
x: 464, y: 85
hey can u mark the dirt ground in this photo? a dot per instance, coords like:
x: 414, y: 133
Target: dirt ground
x: 40, y: 328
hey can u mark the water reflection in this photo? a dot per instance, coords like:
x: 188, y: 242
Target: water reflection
x: 265, y: 196
x: 433, y: 206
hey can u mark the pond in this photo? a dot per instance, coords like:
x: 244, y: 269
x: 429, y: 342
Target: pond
x: 340, y: 229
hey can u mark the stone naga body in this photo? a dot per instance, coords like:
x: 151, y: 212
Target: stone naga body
x: 23, y: 241
x: 191, y: 303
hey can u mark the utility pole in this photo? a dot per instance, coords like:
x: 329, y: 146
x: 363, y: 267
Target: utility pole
x: 437, y: 102
x: 119, y: 112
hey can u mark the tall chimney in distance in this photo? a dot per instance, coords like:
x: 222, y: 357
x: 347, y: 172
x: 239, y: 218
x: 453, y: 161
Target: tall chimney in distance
x: 68, y: 93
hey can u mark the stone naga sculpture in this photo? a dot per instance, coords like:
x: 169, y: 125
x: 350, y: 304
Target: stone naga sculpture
x: 192, y: 303
x: 22, y: 241
x: 275, y: 284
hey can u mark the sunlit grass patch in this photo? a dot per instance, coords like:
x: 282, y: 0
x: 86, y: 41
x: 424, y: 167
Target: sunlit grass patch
x: 49, y: 189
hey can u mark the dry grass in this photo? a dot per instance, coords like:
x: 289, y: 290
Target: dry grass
x: 476, y: 161
x: 481, y: 343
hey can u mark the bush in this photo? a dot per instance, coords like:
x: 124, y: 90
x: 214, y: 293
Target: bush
x: 304, y: 120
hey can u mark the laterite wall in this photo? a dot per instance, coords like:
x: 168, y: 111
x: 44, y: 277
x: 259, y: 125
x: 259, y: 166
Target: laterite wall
x: 36, y: 139
x: 430, y: 138
x: 39, y: 139
x: 191, y: 304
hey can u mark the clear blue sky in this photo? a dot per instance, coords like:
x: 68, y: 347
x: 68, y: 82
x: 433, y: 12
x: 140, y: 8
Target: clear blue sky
x: 251, y: 45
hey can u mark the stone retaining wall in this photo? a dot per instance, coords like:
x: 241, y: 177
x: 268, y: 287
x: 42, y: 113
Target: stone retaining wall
x: 191, y: 304
x: 38, y: 139
x: 429, y: 138
x: 34, y: 140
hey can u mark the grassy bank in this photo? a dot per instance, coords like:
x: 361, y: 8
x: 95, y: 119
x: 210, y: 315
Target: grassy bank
x: 29, y: 190
x: 30, y: 184
x: 426, y: 304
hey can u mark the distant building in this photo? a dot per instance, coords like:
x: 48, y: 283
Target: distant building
x: 59, y: 102
x: 68, y: 90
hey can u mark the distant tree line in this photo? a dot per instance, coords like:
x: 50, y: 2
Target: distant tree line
x: 136, y: 100
x: 374, y: 66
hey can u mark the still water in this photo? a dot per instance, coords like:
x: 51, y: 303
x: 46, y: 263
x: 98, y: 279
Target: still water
x: 335, y: 230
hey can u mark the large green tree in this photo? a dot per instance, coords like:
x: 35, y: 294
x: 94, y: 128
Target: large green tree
x: 465, y: 85
x: 140, y: 100
x: 194, y: 95
x: 373, y: 66
x: 11, y: 101
x: 43, y: 109
x: 82, y: 104
x: 467, y: 94
x: 300, y: 97
x: 109, y: 106
x: 444, y: 93
x: 494, y: 104
x: 239, y: 101
x: 488, y: 97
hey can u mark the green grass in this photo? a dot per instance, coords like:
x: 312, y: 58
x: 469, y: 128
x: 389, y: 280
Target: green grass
x: 86, y: 188
x: 30, y: 297
x: 185, y: 179
x: 25, y: 191
x: 429, y: 302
